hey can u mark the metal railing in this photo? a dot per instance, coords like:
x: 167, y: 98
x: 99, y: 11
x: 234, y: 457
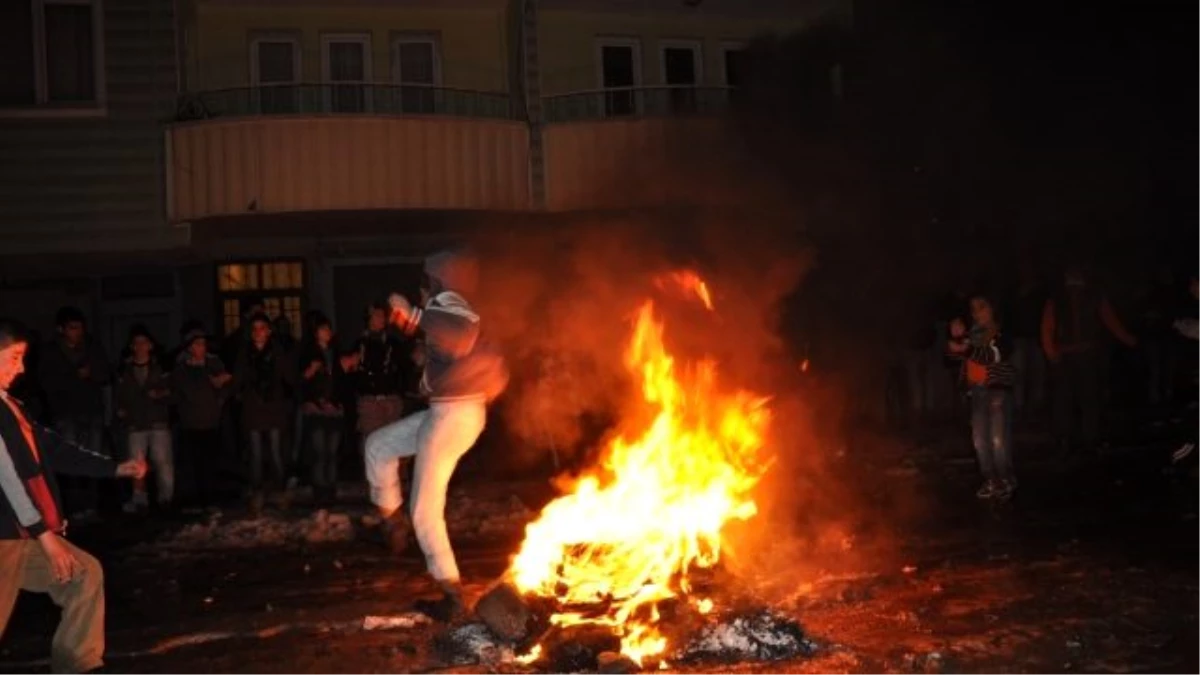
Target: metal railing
x: 621, y: 102
x: 343, y: 99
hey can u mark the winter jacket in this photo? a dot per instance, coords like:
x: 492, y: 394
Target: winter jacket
x: 459, y: 362
x: 988, y: 359
x: 264, y: 378
x: 197, y: 401
x: 142, y: 394
x: 321, y: 389
x: 381, y: 359
x: 30, y: 455
x: 71, y: 395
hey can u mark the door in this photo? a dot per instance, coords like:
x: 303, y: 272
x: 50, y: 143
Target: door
x: 681, y: 74
x: 346, y: 62
x: 620, y: 63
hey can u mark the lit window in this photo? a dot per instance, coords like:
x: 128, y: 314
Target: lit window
x: 278, y: 285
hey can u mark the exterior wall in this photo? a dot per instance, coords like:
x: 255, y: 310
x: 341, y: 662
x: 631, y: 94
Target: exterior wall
x: 277, y: 164
x: 569, y: 31
x: 473, y: 38
x: 93, y: 180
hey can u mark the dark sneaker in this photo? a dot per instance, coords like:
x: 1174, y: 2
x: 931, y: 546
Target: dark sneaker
x: 987, y: 490
x: 447, y: 609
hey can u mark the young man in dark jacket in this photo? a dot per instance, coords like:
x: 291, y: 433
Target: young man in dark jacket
x: 462, y: 374
x: 142, y: 395
x: 264, y: 378
x: 34, y: 555
x: 198, y: 387
x: 322, y: 409
x: 74, y: 373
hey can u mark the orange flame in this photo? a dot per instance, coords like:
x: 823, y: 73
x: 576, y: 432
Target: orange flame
x: 630, y: 531
x: 690, y: 282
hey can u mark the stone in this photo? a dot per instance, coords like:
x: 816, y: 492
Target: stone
x: 504, y: 612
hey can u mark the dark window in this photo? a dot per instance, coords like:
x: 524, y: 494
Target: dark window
x: 348, y: 64
x: 415, y: 64
x: 735, y: 66
x: 276, y: 70
x: 679, y: 71
x: 17, y: 84
x: 279, y: 284
x: 70, y: 65
x: 618, y: 72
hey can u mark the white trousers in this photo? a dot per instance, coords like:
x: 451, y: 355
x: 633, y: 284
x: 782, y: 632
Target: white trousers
x: 438, y: 437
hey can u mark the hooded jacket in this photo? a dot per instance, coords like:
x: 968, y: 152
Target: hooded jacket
x: 459, y: 363
x: 30, y: 454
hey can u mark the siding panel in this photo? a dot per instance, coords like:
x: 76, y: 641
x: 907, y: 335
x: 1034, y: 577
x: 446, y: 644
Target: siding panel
x: 322, y: 163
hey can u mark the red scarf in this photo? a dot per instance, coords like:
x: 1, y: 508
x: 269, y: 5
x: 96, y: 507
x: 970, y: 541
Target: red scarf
x: 38, y: 488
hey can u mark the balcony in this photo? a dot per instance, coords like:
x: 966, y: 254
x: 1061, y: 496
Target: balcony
x: 343, y: 99
x: 636, y: 147
x: 334, y: 147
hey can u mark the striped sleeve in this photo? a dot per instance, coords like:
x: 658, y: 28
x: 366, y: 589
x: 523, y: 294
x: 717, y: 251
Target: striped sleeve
x: 18, y: 498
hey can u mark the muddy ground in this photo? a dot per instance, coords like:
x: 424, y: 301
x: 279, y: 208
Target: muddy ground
x: 1093, y: 567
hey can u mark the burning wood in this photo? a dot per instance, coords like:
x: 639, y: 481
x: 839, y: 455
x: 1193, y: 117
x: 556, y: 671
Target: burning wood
x: 624, y: 542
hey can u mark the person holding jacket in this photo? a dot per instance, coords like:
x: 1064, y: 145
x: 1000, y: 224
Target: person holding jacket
x: 463, y: 373
x: 143, y: 393
x: 986, y: 355
x: 35, y: 555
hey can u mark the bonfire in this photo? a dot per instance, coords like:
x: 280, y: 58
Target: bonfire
x: 629, y: 534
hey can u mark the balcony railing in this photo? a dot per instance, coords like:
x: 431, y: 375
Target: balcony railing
x: 637, y: 102
x: 343, y: 99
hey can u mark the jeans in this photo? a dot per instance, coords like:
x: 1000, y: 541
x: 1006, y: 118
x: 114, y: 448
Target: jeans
x: 991, y: 432
x: 271, y: 439
x: 81, y: 493
x: 438, y: 438
x: 156, y: 445
x: 324, y: 437
x: 1030, y: 362
x: 1077, y: 382
x: 200, y: 452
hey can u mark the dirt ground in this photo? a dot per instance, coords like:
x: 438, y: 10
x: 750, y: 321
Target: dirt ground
x: 1093, y: 568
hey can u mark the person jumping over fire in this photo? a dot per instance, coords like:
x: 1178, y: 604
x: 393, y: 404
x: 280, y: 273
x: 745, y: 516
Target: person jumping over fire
x: 34, y: 553
x: 463, y: 373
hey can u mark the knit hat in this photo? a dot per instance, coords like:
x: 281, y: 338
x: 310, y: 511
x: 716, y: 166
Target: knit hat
x: 193, y: 335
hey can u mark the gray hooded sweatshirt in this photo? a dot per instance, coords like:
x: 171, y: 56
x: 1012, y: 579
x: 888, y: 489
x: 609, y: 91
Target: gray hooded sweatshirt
x: 460, y: 364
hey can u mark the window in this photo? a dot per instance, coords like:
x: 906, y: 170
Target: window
x: 620, y: 71
x: 417, y: 69
x: 346, y: 70
x: 733, y: 65
x: 52, y: 55
x: 275, y: 72
x: 278, y: 284
x: 681, y: 73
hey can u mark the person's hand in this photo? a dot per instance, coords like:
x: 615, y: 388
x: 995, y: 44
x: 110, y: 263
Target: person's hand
x: 134, y: 468
x: 85, y: 372
x: 313, y: 368
x: 63, y: 563
x: 958, y: 346
x: 401, y: 307
x: 157, y: 394
x: 221, y: 380
x: 958, y: 328
x: 121, y: 414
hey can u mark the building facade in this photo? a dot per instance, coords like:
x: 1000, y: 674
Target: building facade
x: 309, y: 153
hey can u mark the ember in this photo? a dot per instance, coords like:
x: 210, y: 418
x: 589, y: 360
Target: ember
x: 628, y: 534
